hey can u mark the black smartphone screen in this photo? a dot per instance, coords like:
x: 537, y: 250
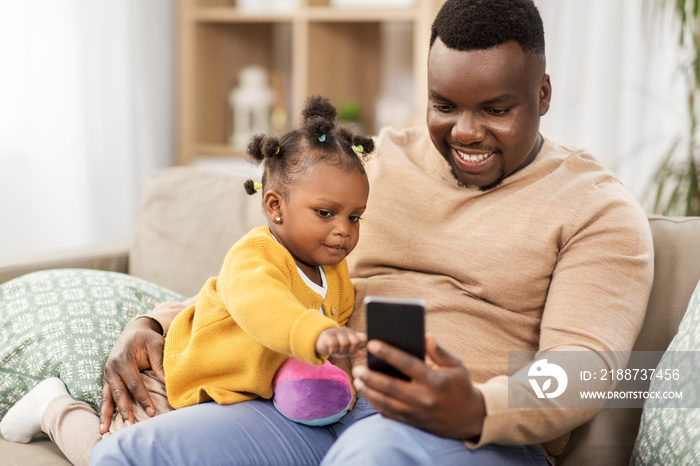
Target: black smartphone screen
x: 398, y: 322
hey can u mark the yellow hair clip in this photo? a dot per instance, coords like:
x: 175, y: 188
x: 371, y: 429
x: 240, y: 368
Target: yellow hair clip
x: 257, y: 186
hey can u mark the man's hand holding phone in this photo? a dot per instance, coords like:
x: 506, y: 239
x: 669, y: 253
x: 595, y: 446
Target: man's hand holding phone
x: 440, y: 398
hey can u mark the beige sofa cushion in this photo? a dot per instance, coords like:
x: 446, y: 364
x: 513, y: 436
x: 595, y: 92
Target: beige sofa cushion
x: 676, y: 273
x: 189, y: 220
x: 609, y: 438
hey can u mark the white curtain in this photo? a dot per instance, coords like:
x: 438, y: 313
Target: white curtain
x: 616, y: 88
x: 86, y: 112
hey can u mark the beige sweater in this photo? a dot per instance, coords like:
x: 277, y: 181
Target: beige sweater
x: 559, y: 256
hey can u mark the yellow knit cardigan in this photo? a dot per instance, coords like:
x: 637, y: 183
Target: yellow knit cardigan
x: 247, y: 321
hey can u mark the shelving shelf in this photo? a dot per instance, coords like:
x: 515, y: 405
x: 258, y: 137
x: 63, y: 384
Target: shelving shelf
x: 345, y: 54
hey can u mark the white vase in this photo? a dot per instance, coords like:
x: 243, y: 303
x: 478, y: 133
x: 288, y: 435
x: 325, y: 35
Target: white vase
x: 251, y: 103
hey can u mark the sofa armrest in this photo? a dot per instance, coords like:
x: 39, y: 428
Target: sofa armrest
x: 111, y: 258
x: 609, y: 438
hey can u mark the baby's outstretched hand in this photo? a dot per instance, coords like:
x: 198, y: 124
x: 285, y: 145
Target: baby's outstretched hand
x: 340, y: 342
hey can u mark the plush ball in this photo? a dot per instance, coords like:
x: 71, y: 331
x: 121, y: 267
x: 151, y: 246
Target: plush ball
x: 311, y: 395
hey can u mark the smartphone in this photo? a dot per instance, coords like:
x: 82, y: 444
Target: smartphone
x: 398, y: 322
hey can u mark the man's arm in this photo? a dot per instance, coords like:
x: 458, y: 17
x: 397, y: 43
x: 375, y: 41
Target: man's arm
x: 139, y: 347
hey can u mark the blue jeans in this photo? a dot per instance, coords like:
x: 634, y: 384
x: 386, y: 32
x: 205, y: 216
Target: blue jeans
x: 255, y: 433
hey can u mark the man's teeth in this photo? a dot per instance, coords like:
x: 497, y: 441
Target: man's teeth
x: 473, y: 158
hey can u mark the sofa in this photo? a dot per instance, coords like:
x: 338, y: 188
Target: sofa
x: 191, y: 215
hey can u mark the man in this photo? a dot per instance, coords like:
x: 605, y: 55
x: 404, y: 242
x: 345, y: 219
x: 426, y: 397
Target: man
x: 516, y: 243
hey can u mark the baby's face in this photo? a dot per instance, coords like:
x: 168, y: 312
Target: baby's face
x: 321, y: 218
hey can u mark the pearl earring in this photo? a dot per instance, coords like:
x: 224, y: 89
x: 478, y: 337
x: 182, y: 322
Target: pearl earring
x: 278, y: 219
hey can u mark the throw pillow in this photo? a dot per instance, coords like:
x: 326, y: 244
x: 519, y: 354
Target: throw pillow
x: 63, y: 323
x: 671, y: 435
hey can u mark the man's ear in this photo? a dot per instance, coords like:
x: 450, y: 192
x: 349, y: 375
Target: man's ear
x: 273, y: 202
x: 545, y: 94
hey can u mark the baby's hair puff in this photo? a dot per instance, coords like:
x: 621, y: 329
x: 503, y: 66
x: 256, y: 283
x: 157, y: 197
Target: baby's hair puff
x: 318, y: 118
x: 318, y: 139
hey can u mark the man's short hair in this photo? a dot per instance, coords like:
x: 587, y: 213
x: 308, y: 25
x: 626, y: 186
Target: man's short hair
x: 483, y: 24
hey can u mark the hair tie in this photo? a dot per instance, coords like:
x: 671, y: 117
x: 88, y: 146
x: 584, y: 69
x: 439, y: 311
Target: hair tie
x: 322, y: 138
x: 277, y: 151
x: 259, y: 186
x: 358, y: 149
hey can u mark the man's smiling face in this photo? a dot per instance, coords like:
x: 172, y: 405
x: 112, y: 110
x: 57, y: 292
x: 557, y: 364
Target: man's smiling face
x: 484, y: 109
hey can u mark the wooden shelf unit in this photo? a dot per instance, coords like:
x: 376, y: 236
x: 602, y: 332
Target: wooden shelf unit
x: 339, y: 53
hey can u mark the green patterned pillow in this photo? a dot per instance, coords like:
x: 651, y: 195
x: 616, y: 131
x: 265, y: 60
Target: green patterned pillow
x: 63, y: 323
x: 672, y: 435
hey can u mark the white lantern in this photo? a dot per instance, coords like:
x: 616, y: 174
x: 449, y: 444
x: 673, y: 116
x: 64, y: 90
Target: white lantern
x: 250, y: 102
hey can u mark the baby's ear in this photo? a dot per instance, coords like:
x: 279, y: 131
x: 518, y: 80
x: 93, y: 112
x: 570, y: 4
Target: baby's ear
x: 273, y: 202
